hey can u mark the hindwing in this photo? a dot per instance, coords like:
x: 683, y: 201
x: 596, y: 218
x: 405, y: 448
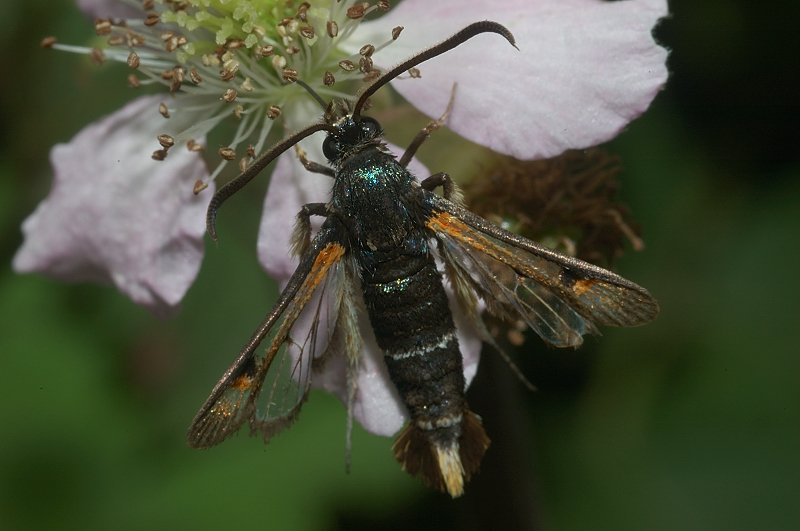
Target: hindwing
x: 558, y: 296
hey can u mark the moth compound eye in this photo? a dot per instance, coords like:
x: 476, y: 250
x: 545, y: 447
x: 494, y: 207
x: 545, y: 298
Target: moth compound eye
x: 370, y: 128
x: 331, y: 148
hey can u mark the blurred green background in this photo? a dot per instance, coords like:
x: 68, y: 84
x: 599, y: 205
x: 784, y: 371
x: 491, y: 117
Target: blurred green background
x: 691, y: 422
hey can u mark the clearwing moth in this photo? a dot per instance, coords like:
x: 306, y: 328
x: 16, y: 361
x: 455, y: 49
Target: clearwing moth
x: 381, y: 233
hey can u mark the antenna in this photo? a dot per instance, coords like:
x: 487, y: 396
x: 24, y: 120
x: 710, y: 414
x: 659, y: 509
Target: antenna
x: 446, y: 45
x: 254, y: 169
x: 313, y: 93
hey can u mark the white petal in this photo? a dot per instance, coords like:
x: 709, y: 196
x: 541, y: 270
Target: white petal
x: 95, y: 9
x: 584, y: 69
x: 114, y: 215
x: 291, y: 186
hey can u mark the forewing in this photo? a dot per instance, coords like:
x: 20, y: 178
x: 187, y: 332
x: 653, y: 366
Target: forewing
x: 268, y: 388
x: 558, y: 296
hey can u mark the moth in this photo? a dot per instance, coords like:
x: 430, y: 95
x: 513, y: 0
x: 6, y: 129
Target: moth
x: 382, y: 233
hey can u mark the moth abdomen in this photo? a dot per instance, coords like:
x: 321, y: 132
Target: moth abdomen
x: 414, y: 328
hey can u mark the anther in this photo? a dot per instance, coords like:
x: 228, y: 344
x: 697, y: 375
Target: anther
x: 97, y: 56
x: 289, y: 74
x: 151, y: 19
x: 347, y: 65
x: 414, y: 73
x: 172, y: 44
x: 166, y: 141
x: 116, y: 40
x: 333, y: 29
x: 247, y: 85
x: 396, y: 32
x: 367, y: 50
x: 227, y: 153
x: 147, y: 5
x: 302, y: 12
x: 133, y: 81
x: 273, y: 112
x: 209, y: 60
x: 229, y: 63
x: 162, y: 108
x: 179, y: 74
x: 47, y: 42
x: 251, y: 151
x: 167, y: 74
x: 242, y: 164
x: 229, y: 95
x: 160, y: 154
x: 193, y: 146
x: 327, y: 79
x: 102, y: 26
x: 357, y: 11
x: 307, y: 32
x: 238, y: 111
x: 365, y: 65
x: 199, y: 186
x: 278, y: 62
x: 194, y: 76
x: 134, y: 39
x: 383, y: 5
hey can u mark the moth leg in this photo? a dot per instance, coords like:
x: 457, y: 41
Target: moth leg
x: 310, y: 165
x: 301, y: 236
x: 423, y: 135
x: 450, y: 189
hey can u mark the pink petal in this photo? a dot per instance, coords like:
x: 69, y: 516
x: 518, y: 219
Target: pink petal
x: 291, y: 186
x: 95, y: 9
x: 584, y: 69
x: 377, y: 407
x: 114, y: 215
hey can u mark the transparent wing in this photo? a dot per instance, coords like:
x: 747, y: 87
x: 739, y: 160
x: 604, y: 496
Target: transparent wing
x: 558, y: 296
x: 268, y: 388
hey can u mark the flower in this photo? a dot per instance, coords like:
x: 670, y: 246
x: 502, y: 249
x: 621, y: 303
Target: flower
x: 583, y: 70
x: 116, y: 216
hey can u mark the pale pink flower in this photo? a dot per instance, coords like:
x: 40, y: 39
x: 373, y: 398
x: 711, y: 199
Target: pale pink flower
x: 584, y: 69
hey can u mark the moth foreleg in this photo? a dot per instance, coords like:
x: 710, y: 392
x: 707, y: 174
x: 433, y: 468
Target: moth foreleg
x: 301, y: 236
x: 310, y: 165
x: 423, y: 135
x: 450, y: 189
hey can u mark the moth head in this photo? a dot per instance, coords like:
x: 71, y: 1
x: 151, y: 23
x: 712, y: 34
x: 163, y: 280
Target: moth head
x: 350, y: 133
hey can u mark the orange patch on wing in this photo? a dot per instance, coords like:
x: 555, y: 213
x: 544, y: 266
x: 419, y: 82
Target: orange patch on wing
x: 582, y: 286
x: 326, y: 258
x: 447, y: 223
x: 242, y: 383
